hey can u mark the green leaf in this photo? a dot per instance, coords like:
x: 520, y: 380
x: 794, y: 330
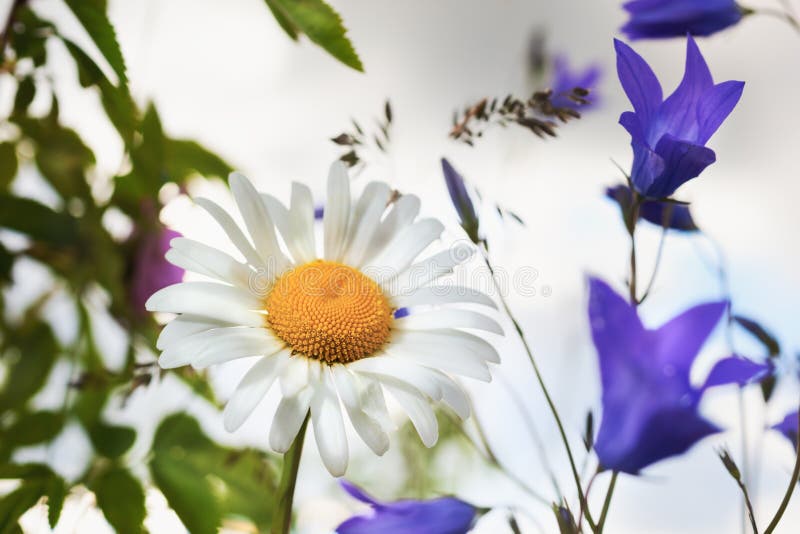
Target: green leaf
x: 33, y: 357
x: 61, y: 155
x: 8, y: 164
x: 321, y: 24
x: 25, y: 93
x: 188, y: 492
x: 110, y: 440
x: 37, y: 221
x: 186, y: 157
x: 56, y: 493
x: 189, y: 469
x: 92, y: 15
x: 16, y: 503
x: 117, y: 101
x: 28, y: 471
x: 121, y: 498
x: 290, y: 29
x: 34, y: 428
x: 6, y: 264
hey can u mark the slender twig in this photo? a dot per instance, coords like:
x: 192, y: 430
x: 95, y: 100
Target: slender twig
x: 779, y: 14
x: 487, y: 454
x: 532, y: 431
x: 282, y: 520
x: 789, y: 491
x: 745, y: 467
x: 547, y: 396
x: 659, y: 254
x: 604, y: 513
x: 586, y: 493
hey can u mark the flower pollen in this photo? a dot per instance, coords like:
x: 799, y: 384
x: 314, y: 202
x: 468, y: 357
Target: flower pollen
x: 329, y: 311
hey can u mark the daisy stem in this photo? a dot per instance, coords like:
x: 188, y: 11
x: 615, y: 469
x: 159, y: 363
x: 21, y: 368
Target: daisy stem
x: 785, y: 502
x: 548, y: 398
x: 282, y: 521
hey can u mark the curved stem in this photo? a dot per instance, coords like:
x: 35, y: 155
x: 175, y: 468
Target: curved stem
x: 779, y: 14
x: 659, y: 255
x: 604, y: 513
x: 488, y: 455
x: 534, y: 434
x: 282, y: 521
x: 789, y: 491
x: 547, y: 397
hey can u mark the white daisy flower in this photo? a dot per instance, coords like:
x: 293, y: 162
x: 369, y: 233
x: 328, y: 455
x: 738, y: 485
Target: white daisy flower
x: 324, y: 326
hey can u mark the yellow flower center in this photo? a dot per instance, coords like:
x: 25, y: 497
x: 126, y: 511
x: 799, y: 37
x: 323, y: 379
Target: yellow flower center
x: 329, y: 311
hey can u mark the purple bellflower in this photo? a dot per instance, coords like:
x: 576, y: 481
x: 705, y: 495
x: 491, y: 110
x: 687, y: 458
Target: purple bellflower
x: 665, y: 214
x: 445, y: 515
x: 650, y: 408
x: 789, y: 427
x: 669, y: 136
x: 565, y: 80
x: 149, y: 271
x: 654, y: 19
x: 462, y: 202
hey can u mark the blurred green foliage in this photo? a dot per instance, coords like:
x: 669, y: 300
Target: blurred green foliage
x: 204, y: 482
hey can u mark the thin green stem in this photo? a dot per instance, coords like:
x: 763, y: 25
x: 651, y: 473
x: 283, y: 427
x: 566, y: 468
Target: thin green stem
x: 487, y: 454
x: 534, y: 434
x: 607, y: 503
x: 789, y: 491
x: 659, y: 255
x: 282, y: 521
x: 547, y: 397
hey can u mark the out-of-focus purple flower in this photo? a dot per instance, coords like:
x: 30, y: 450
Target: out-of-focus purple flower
x: 446, y: 515
x: 399, y: 313
x: 789, y: 427
x: 665, y: 214
x: 149, y: 270
x: 565, y: 80
x: 319, y: 211
x: 738, y: 370
x: 654, y: 19
x: 461, y: 201
x: 669, y: 136
x: 650, y: 409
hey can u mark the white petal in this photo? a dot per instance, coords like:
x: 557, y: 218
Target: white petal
x: 326, y: 416
x: 251, y: 390
x: 209, y: 300
x: 301, y: 223
x: 420, y: 413
x: 289, y: 417
x: 455, y: 341
x: 402, y: 213
x: 337, y: 211
x: 408, y: 244
x: 278, y: 214
x: 232, y: 230
x: 373, y: 402
x: 397, y: 371
x: 226, y: 344
x: 216, y: 263
x: 295, y: 376
x: 453, y: 395
x: 365, y: 221
x: 439, y: 354
x: 219, y: 345
x: 436, y: 295
x: 426, y: 271
x: 259, y: 223
x: 447, y: 318
x: 182, y: 327
x: 367, y: 428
